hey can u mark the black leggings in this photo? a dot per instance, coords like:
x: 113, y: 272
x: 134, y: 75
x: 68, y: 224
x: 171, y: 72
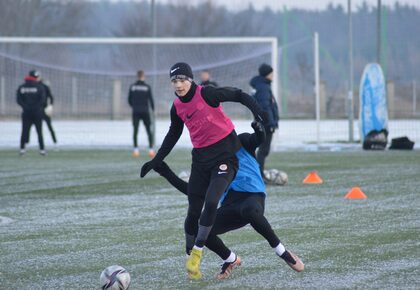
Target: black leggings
x: 206, y: 186
x: 247, y: 209
x: 47, y: 119
x: 147, y: 123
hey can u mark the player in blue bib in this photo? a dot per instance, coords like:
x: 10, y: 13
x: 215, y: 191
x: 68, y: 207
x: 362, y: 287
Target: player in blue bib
x: 243, y: 203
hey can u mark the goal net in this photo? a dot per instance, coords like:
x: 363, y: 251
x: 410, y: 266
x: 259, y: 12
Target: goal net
x: 90, y: 77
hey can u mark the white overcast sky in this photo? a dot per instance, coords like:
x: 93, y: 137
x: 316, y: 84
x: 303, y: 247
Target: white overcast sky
x: 306, y: 4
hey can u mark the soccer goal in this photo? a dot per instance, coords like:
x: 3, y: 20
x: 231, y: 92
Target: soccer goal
x: 90, y: 77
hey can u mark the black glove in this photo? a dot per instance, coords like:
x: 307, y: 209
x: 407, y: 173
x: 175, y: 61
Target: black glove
x: 258, y: 127
x: 152, y: 164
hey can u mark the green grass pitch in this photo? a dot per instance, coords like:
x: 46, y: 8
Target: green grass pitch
x: 67, y: 216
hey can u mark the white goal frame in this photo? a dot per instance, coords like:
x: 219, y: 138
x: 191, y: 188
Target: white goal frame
x: 161, y: 40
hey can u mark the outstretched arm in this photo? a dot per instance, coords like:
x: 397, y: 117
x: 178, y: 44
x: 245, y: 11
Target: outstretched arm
x: 175, y: 131
x: 215, y: 96
x: 164, y: 171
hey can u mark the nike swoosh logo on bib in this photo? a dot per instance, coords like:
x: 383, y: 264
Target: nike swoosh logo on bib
x: 190, y: 115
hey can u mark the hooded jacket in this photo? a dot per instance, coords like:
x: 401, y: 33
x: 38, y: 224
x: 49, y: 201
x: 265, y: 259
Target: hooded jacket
x: 264, y: 97
x: 31, y: 96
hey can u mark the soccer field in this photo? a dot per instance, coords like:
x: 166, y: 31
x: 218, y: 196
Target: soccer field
x: 67, y: 216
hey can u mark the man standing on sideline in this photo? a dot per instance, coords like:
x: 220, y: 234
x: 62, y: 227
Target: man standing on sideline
x: 140, y: 100
x: 264, y: 97
x: 48, y: 107
x: 205, y: 79
x: 31, y: 97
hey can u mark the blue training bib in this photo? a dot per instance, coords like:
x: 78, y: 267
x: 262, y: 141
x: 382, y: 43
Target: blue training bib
x: 248, y: 178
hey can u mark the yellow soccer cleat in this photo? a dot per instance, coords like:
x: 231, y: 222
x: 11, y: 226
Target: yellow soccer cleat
x: 196, y: 276
x: 193, y: 264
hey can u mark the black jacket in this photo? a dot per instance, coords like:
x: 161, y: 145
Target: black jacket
x: 140, y: 97
x: 31, y: 96
x: 264, y: 97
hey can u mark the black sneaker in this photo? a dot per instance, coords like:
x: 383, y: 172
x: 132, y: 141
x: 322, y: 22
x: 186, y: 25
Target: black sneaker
x: 227, y: 268
x: 293, y: 261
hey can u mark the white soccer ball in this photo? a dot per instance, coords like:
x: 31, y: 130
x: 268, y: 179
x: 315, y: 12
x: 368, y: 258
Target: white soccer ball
x: 115, y: 278
x: 48, y: 110
x: 276, y: 177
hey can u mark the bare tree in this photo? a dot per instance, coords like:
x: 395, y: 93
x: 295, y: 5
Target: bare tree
x: 42, y: 17
x: 17, y: 16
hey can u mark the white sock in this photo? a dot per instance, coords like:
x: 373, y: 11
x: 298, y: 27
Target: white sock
x: 198, y: 248
x: 280, y: 249
x: 231, y: 258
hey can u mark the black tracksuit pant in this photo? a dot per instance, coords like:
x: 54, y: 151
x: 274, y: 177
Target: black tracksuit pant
x: 147, y: 123
x: 28, y: 119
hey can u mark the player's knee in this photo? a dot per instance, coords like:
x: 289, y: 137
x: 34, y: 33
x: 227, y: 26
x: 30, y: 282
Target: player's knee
x: 251, y: 212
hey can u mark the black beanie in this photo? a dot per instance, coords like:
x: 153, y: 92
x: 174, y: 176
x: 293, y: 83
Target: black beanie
x: 265, y: 69
x: 34, y: 73
x: 181, y: 70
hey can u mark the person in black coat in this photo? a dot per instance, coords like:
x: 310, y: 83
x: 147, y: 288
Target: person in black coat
x: 140, y: 100
x: 205, y: 79
x: 48, y: 109
x: 31, y: 97
x: 264, y: 97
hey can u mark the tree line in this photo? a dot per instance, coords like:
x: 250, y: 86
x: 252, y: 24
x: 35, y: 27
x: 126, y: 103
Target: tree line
x: 400, y: 53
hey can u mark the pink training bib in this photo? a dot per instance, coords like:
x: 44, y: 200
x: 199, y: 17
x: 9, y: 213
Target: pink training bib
x: 207, y: 125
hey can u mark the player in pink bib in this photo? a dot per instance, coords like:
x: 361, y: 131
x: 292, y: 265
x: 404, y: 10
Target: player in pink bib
x: 214, y: 164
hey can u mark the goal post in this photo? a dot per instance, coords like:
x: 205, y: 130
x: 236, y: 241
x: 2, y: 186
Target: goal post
x: 83, y: 72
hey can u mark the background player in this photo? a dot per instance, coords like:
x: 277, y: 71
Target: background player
x: 205, y: 79
x: 141, y: 102
x: 266, y: 100
x: 47, y: 112
x: 31, y: 97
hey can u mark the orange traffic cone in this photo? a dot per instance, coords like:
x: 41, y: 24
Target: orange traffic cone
x: 312, y: 178
x: 355, y: 193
